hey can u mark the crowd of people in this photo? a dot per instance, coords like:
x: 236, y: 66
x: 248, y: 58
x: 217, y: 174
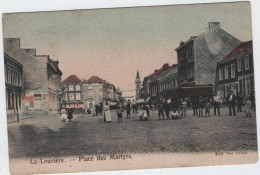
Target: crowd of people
x: 174, y: 108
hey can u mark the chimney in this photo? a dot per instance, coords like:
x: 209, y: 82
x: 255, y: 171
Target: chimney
x: 11, y: 44
x: 165, y: 65
x: 214, y: 24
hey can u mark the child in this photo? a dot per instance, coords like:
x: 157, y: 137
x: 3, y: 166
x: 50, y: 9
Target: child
x: 140, y: 112
x: 175, y: 114
x: 207, y: 108
x: 63, y: 116
x: 183, y: 108
x: 248, y: 107
x: 145, y: 115
x: 119, y: 113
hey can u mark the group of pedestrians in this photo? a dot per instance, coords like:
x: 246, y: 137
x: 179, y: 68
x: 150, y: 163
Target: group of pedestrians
x: 175, y: 109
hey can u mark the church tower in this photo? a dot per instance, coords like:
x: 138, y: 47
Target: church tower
x: 137, y: 86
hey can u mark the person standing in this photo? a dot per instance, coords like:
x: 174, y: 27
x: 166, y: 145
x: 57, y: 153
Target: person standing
x: 207, y: 108
x: 134, y: 107
x: 248, y: 107
x: 146, y: 109
x: 160, y: 110
x: 107, y: 113
x: 119, y: 113
x: 201, y: 106
x: 183, y: 108
x: 70, y: 114
x: 101, y: 108
x: 216, y: 103
x: 239, y: 102
x: 195, y: 106
x: 167, y: 109
x: 232, y: 103
x: 252, y: 99
x: 128, y: 109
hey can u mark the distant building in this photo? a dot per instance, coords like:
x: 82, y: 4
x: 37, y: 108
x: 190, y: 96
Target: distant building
x: 95, y: 90
x: 154, y: 82
x: 137, y: 86
x: 73, y: 93
x: 168, y: 82
x: 236, y: 71
x: 41, y: 78
x: 13, y: 85
x: 198, y: 56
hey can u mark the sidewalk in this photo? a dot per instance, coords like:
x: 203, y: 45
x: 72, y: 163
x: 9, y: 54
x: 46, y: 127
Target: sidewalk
x: 13, y: 119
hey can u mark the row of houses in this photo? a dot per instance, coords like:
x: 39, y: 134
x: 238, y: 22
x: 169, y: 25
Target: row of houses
x: 32, y: 81
x: 212, y: 58
x: 84, y: 94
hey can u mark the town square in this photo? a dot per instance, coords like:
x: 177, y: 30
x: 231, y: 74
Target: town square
x: 130, y: 81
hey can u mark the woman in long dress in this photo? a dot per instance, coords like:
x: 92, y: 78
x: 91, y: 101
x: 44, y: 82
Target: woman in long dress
x: 107, y: 113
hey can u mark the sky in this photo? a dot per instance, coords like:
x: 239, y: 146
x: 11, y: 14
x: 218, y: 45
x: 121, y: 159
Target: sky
x: 114, y: 43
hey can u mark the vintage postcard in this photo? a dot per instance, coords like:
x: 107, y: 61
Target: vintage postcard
x: 130, y: 88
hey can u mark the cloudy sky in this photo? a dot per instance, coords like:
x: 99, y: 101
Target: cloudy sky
x: 115, y: 43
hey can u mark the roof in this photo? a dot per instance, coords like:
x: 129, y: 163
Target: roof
x: 242, y: 47
x: 182, y: 43
x: 94, y: 79
x: 72, y: 79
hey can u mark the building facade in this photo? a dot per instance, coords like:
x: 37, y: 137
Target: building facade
x: 235, y: 72
x: 167, y: 83
x: 73, y: 97
x: 95, y: 90
x: 41, y: 79
x: 198, y: 56
x: 13, y: 85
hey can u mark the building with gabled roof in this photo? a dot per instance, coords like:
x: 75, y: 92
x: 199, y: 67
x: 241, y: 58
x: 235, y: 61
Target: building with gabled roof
x: 198, y: 56
x: 235, y: 71
x: 73, y: 97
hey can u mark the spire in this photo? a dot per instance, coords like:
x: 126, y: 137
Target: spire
x: 137, y: 79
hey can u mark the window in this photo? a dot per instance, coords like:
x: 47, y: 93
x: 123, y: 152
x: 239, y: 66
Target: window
x: 71, y: 96
x: 246, y: 62
x: 71, y: 87
x: 238, y: 64
x: 226, y: 72
x: 77, y: 87
x: 233, y: 71
x: 220, y: 73
x: 90, y: 88
x: 78, y: 96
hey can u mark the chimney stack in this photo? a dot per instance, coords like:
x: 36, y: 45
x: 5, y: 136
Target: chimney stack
x: 214, y: 24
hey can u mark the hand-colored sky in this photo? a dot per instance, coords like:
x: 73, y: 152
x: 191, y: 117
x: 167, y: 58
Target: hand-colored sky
x: 114, y: 43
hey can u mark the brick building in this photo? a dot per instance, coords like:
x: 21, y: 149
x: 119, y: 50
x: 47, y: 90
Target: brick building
x: 96, y: 90
x: 198, y: 56
x: 41, y: 78
x: 73, y: 97
x: 13, y: 85
x: 236, y: 71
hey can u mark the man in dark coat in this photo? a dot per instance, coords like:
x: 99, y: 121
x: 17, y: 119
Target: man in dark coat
x: 239, y: 102
x: 70, y: 114
x: 160, y: 110
x: 195, y: 106
x: 252, y: 99
x: 232, y: 103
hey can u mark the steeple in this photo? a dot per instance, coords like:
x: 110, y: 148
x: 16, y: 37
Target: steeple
x: 137, y: 85
x: 137, y: 79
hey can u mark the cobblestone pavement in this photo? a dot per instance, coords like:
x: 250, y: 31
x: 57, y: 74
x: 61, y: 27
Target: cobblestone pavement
x: 48, y: 136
